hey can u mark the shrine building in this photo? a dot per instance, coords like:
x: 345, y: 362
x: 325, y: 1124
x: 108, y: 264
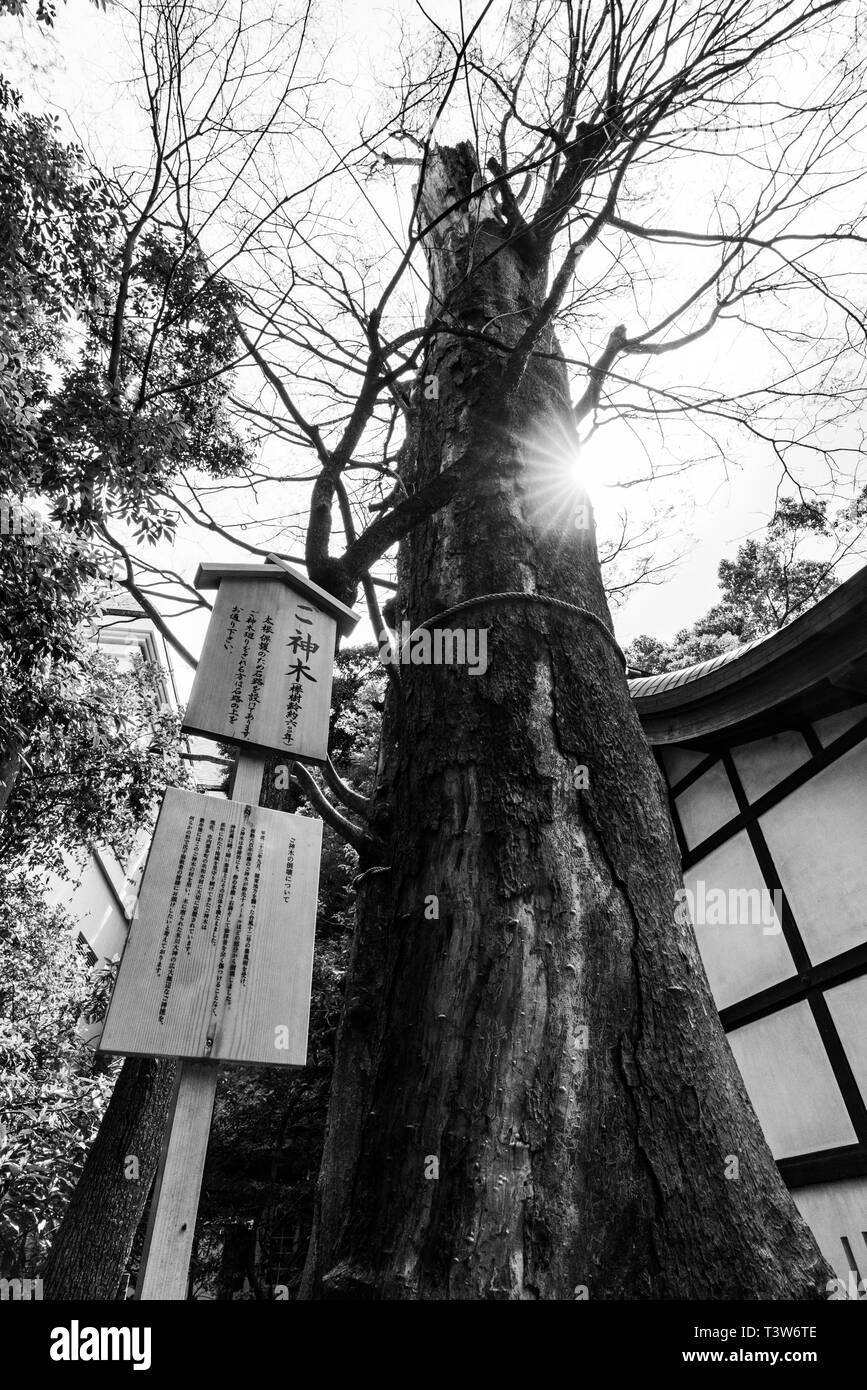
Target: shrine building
x: 764, y: 751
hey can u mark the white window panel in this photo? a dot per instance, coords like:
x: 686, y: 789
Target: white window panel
x: 679, y: 761
x: 706, y: 805
x: 790, y: 1083
x: 96, y: 913
x: 834, y: 725
x: 848, y: 1005
x: 837, y: 1211
x: 818, y: 840
x: 766, y: 761
x: 740, y: 958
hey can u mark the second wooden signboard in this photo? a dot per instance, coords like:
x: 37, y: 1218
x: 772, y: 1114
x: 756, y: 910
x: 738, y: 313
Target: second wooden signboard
x: 219, y: 959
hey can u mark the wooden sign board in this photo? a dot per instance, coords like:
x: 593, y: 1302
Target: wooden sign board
x: 219, y: 959
x: 264, y: 676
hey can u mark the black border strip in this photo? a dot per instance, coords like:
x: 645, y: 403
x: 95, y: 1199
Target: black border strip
x: 768, y: 869
x: 694, y: 773
x: 840, y: 1064
x: 682, y: 847
x: 848, y: 965
x: 826, y: 1165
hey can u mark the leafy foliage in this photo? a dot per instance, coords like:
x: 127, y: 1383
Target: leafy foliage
x: 56, y: 224
x: 102, y: 431
x: 763, y: 589
x: 356, y: 706
x: 111, y: 446
x: 49, y: 594
x: 100, y: 756
x: 92, y: 744
x: 49, y: 588
x: 51, y: 1100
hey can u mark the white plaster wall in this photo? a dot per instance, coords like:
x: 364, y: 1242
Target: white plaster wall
x: 790, y: 1083
x: 848, y: 1006
x: 818, y: 839
x: 740, y: 958
x: 677, y: 762
x: 766, y: 761
x: 706, y: 805
x: 94, y: 909
x: 833, y: 725
x: 832, y: 1211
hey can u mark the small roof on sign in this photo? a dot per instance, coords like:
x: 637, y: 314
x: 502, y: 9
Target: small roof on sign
x: 209, y: 577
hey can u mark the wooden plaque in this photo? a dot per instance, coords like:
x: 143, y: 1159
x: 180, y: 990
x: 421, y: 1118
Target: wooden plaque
x: 264, y: 677
x: 219, y: 958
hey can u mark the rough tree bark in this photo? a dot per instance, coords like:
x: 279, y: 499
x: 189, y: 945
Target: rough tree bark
x: 92, y: 1247
x: 560, y: 1164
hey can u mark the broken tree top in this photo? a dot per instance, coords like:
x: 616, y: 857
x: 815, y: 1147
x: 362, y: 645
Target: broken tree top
x: 264, y: 677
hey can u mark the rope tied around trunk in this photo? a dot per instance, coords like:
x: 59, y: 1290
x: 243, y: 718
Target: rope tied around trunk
x: 519, y: 596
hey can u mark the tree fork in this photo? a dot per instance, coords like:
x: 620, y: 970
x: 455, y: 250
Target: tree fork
x: 533, y: 1095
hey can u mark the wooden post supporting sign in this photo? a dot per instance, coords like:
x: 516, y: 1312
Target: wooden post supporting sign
x: 218, y: 963
x: 171, y: 1224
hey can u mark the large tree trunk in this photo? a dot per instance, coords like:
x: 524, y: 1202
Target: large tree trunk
x: 550, y: 1039
x: 92, y: 1247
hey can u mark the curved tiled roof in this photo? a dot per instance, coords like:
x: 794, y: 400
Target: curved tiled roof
x: 666, y: 680
x: 749, y: 681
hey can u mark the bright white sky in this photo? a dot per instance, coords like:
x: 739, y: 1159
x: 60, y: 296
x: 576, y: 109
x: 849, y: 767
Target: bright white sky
x: 79, y: 71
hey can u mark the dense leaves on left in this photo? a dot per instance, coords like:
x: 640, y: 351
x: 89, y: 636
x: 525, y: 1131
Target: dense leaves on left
x: 146, y: 399
x: 51, y: 1098
x: 98, y: 759
x: 86, y: 746
x: 57, y: 226
x: 117, y: 343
